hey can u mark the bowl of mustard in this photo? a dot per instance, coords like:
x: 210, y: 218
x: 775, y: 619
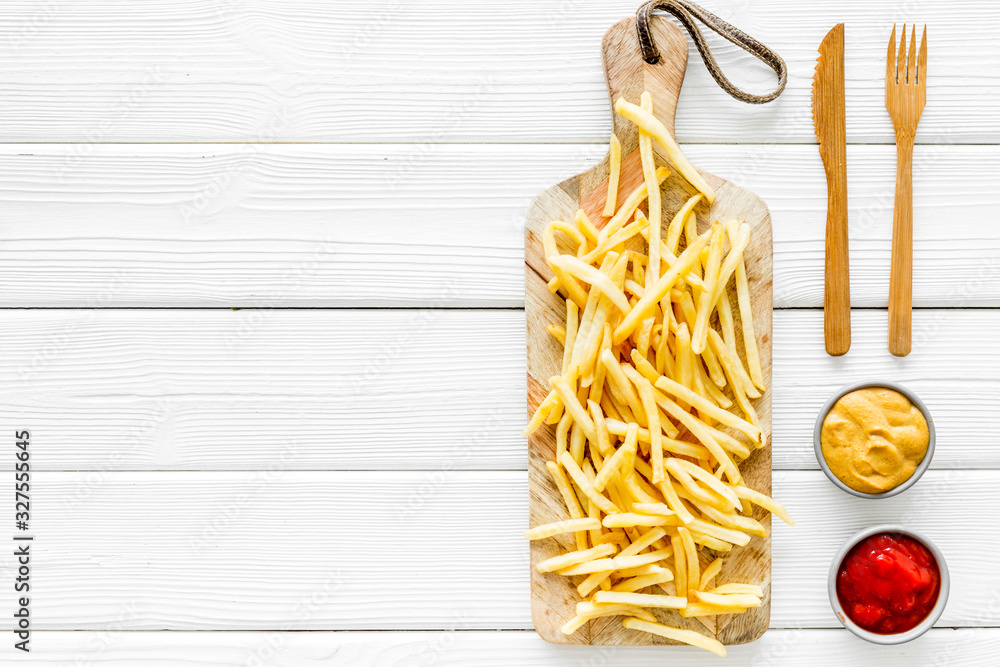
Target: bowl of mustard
x: 874, y: 439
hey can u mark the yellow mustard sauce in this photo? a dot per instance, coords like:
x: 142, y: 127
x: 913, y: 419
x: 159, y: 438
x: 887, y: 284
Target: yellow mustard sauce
x: 873, y: 439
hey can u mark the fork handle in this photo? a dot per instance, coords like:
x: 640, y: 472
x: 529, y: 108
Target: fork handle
x: 901, y: 270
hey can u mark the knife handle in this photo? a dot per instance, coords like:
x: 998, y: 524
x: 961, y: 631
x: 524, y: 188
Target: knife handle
x: 901, y: 268
x: 837, y: 286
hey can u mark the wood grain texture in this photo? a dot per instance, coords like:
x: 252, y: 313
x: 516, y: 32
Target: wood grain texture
x: 407, y: 550
x: 905, y: 97
x: 553, y: 597
x: 290, y: 226
x: 970, y: 647
x: 301, y: 389
x: 223, y: 390
x: 828, y: 104
x: 305, y: 70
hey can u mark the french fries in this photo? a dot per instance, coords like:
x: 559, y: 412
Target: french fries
x: 652, y: 407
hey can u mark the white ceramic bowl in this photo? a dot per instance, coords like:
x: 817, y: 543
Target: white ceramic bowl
x: 924, y: 465
x: 901, y: 637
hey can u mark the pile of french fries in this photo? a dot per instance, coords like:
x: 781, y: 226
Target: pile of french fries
x: 652, y: 410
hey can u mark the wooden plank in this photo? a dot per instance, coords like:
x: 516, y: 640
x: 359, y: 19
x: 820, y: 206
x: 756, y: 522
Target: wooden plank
x: 93, y: 71
x: 208, y: 389
x: 250, y: 389
x: 406, y: 550
x: 969, y: 647
x: 289, y: 226
x: 553, y: 597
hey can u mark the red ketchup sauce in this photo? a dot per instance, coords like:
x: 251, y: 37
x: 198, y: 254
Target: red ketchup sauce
x: 888, y: 583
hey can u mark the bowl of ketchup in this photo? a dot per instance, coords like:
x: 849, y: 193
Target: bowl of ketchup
x: 888, y: 584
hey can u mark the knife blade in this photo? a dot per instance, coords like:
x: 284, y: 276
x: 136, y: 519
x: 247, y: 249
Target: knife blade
x: 829, y: 119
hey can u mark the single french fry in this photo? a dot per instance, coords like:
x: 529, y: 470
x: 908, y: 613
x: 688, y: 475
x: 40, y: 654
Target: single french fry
x: 693, y: 566
x: 728, y: 600
x: 573, y: 406
x: 746, y: 319
x: 735, y: 521
x: 653, y: 198
x: 614, y: 174
x: 738, y: 589
x: 684, y: 367
x: 577, y: 443
x: 653, y: 509
x: 647, y: 122
x: 734, y: 380
x: 699, y: 609
x: 613, y: 463
x: 758, y: 498
x: 541, y: 412
x: 709, y: 481
x: 702, y: 433
x: 601, y: 427
x: 629, y: 206
x: 577, y: 268
x: 660, y: 289
x: 562, y: 433
x: 631, y: 519
x: 680, y: 566
x: 627, y: 562
x: 641, y: 542
x: 653, y: 417
x: 681, y: 392
x: 710, y: 573
x: 574, y: 290
x: 574, y: 558
x: 678, y: 447
x: 699, y: 335
x: 586, y: 227
x: 689, y: 637
x: 636, y: 584
x: 590, y: 567
x: 581, y: 481
x: 737, y: 537
x: 592, y: 611
x: 640, y: 599
x: 677, y: 224
x: 674, y: 502
x: 641, y: 571
x: 711, y: 543
x: 557, y: 332
x: 560, y: 527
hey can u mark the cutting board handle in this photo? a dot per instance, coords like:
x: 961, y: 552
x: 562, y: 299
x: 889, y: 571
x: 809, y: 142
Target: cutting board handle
x: 627, y: 74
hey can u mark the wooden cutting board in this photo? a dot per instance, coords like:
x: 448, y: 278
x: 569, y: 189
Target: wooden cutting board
x: 553, y: 597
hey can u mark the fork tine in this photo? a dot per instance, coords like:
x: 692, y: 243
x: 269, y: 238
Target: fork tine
x: 890, y: 60
x: 911, y: 61
x: 922, y: 62
x: 901, y: 59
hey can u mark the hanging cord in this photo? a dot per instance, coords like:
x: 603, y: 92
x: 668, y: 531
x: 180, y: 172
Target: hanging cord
x: 686, y: 12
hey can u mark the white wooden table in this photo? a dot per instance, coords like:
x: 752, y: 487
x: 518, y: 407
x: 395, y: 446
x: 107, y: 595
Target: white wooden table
x: 261, y: 278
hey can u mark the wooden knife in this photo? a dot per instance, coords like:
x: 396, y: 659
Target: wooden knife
x: 829, y: 119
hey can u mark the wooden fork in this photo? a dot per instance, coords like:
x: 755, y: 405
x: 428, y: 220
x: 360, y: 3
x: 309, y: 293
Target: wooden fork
x: 905, y: 95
